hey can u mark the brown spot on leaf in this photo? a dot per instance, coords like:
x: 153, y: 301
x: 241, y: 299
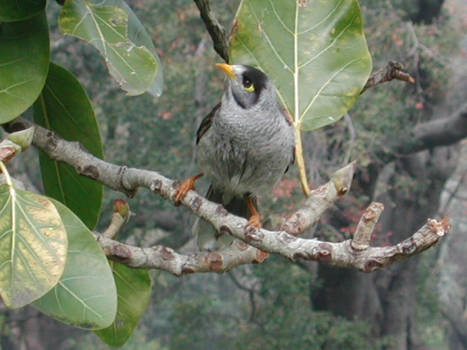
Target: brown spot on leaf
x: 302, y: 3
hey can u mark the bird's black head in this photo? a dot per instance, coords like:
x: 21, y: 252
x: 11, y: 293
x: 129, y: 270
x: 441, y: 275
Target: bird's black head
x: 247, y: 84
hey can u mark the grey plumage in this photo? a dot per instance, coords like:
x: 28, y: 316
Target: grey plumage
x: 244, y: 146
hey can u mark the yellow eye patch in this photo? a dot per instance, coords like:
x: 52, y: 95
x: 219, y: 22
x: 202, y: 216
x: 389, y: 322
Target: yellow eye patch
x: 248, y: 85
x: 250, y: 88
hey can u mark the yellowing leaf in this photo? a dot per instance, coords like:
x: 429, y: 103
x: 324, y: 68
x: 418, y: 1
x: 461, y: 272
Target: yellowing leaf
x: 85, y: 296
x: 33, y: 246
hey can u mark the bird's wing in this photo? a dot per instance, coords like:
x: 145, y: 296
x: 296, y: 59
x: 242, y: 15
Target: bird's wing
x: 206, y: 123
x: 292, y: 161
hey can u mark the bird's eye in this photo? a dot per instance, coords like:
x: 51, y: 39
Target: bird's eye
x: 248, y: 85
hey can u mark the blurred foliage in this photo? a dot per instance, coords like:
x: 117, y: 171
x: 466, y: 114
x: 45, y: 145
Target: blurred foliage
x: 211, y: 311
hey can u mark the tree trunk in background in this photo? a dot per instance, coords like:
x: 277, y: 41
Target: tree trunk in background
x: 427, y: 11
x: 387, y: 298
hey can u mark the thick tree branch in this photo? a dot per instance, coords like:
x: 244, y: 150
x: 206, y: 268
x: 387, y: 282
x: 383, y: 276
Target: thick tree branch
x: 215, y: 29
x: 438, y: 132
x: 342, y: 254
x: 357, y: 255
x: 393, y: 70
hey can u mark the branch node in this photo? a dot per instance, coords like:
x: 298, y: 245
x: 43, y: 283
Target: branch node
x: 342, y: 178
x: 260, y: 257
x: 167, y: 253
x: 215, y: 261
x: 129, y: 191
x: 393, y: 70
x: 155, y: 186
x: 442, y: 227
x: 252, y: 233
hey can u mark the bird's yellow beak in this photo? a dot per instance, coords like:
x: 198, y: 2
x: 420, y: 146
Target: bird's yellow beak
x: 227, y: 68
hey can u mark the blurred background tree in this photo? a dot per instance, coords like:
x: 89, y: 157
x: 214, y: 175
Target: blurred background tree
x: 417, y: 304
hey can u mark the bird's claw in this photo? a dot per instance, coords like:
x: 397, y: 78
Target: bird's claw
x: 255, y: 221
x: 185, y: 187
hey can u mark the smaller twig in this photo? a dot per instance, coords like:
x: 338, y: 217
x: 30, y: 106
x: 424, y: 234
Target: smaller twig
x: 120, y: 217
x: 366, y: 225
x: 320, y: 199
x: 251, y: 295
x: 215, y: 29
x: 393, y: 70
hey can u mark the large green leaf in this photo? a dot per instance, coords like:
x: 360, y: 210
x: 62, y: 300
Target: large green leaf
x: 85, y: 296
x: 24, y: 61
x: 127, y: 48
x: 18, y: 10
x: 64, y: 108
x: 134, y: 289
x: 315, y: 52
x: 33, y: 246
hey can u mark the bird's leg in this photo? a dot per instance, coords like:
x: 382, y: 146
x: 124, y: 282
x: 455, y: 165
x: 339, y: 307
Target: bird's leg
x: 255, y: 218
x: 255, y: 221
x: 185, y: 187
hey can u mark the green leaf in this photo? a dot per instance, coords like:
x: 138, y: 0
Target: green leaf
x: 24, y: 62
x: 19, y: 10
x: 33, y: 246
x: 134, y: 289
x: 315, y: 52
x: 65, y: 108
x: 127, y: 48
x: 85, y: 296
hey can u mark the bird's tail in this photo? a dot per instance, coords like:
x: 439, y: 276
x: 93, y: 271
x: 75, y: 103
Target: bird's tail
x: 208, y: 237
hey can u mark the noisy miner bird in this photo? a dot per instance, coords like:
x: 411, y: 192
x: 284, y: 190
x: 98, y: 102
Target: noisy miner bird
x: 245, y: 145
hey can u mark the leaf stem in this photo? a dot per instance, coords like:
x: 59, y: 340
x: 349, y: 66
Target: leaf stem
x: 5, y: 172
x: 301, y: 162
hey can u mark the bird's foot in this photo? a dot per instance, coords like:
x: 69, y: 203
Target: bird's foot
x: 185, y: 187
x: 255, y: 220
